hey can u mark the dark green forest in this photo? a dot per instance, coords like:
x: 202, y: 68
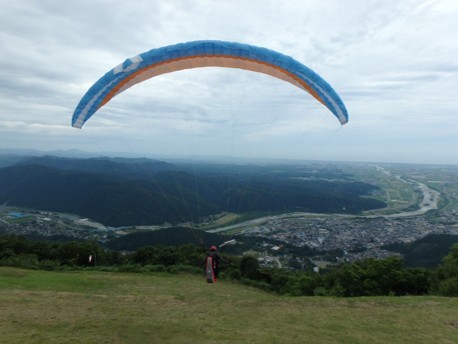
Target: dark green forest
x: 123, y: 192
x: 426, y: 252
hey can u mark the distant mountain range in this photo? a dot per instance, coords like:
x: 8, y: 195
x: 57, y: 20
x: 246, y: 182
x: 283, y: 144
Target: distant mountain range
x: 121, y: 191
x: 139, y: 168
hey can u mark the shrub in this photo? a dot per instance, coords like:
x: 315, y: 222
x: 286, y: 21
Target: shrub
x: 50, y: 265
x: 107, y: 268
x: 320, y: 291
x: 158, y: 268
x: 172, y: 269
x: 249, y: 267
x: 26, y: 261
x: 449, y: 287
x: 257, y: 284
x: 233, y: 274
x: 130, y: 268
x: 189, y: 269
x: 299, y: 285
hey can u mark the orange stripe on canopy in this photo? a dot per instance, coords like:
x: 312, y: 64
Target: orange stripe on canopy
x: 209, y: 61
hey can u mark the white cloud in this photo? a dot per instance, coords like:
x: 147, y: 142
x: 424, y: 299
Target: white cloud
x: 392, y: 62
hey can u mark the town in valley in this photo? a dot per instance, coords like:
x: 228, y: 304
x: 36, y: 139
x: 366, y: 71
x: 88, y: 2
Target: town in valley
x: 421, y: 200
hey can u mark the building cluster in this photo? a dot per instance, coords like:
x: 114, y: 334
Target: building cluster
x: 50, y: 224
x: 355, y: 237
x: 358, y: 237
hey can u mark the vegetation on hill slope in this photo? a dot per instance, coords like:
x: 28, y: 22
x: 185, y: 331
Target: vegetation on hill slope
x: 368, y: 277
x: 123, y: 192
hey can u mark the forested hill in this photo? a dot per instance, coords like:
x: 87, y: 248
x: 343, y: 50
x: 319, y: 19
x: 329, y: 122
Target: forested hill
x: 119, y: 192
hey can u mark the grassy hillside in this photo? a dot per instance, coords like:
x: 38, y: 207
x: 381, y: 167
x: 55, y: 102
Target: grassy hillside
x: 98, y: 307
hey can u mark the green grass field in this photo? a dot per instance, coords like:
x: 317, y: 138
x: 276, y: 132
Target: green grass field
x: 102, y: 307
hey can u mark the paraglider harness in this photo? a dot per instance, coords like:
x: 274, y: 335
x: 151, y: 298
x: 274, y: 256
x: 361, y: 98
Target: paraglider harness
x: 212, y: 266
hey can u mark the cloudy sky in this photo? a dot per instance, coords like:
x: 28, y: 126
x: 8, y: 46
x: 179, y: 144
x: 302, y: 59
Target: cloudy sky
x: 394, y: 64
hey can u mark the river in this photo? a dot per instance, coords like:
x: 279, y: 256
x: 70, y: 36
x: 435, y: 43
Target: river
x: 429, y: 202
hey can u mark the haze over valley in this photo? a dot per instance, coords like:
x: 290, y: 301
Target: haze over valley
x: 352, y: 209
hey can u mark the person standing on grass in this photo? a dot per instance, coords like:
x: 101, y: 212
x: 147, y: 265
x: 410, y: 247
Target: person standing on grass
x: 213, y: 260
x: 212, y: 265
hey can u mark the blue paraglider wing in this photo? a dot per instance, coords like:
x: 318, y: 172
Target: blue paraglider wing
x: 206, y: 54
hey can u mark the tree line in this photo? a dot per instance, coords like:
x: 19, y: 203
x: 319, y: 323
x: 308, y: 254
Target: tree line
x: 368, y: 277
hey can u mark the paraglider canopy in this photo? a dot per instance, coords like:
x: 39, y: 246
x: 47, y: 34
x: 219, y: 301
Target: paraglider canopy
x: 206, y: 54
